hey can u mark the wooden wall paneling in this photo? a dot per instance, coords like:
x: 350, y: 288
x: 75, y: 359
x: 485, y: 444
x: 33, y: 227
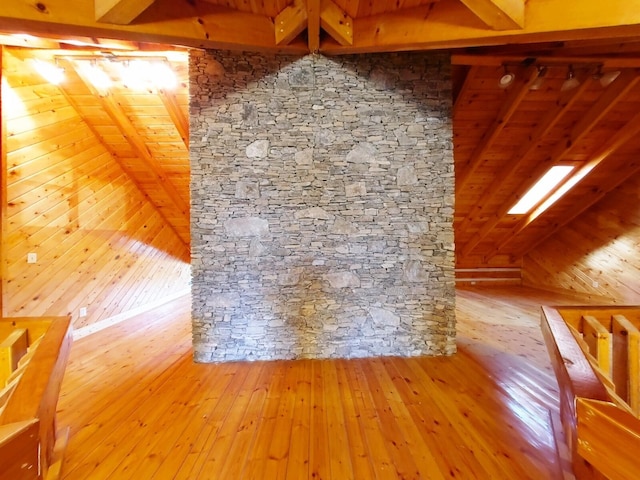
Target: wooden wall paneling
x: 42, y: 135
x: 48, y: 241
x: 600, y: 247
x: 3, y: 181
x: 32, y: 208
x: 94, y: 272
x: 89, y: 271
x: 23, y: 124
x: 123, y: 295
x: 105, y: 113
x: 613, y: 255
x: 80, y: 212
x: 64, y: 259
x: 551, y: 267
x: 55, y: 209
x: 22, y: 158
x: 116, y: 244
x: 51, y: 167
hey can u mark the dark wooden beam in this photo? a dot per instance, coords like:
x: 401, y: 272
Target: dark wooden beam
x: 119, y: 12
x: 499, y: 14
x: 515, y: 95
x: 630, y: 131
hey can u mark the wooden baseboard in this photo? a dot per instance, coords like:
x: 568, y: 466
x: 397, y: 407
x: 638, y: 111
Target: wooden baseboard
x: 493, y: 276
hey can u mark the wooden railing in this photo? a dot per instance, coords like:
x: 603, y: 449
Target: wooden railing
x: 595, y: 355
x: 33, y: 356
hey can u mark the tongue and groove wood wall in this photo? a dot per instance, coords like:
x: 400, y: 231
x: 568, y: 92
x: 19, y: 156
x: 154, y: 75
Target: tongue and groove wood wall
x: 596, y: 254
x: 100, y: 243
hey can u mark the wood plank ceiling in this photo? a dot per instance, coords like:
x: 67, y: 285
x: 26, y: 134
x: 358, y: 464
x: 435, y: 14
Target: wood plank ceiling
x: 146, y: 130
x: 504, y: 138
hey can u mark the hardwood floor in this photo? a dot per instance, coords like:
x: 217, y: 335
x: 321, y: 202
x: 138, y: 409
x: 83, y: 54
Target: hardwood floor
x: 139, y: 408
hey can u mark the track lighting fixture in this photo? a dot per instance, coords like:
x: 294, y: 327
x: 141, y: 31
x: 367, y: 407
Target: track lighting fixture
x: 537, y: 83
x: 51, y: 72
x: 506, y: 79
x: 96, y: 75
x: 571, y: 82
x: 605, y: 78
x: 594, y: 69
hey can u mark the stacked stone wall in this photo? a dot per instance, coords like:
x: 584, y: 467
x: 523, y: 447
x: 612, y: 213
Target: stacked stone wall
x: 322, y: 206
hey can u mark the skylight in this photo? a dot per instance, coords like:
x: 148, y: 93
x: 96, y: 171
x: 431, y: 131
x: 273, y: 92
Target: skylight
x: 541, y: 189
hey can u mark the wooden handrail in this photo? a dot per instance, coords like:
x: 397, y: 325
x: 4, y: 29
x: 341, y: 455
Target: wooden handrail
x: 594, y: 352
x: 35, y: 396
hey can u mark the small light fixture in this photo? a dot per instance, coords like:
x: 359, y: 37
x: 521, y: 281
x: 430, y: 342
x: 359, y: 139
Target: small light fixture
x: 96, y: 75
x: 52, y: 73
x: 541, y: 189
x: 163, y: 76
x: 571, y: 82
x: 135, y: 74
x: 537, y: 83
x: 606, y: 78
x: 506, y: 79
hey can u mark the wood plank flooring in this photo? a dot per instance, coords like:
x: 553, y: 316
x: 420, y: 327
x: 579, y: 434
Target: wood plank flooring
x: 138, y: 408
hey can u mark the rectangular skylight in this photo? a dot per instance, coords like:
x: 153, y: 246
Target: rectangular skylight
x: 541, y: 189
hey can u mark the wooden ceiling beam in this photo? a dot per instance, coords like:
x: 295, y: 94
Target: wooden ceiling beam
x: 3, y: 186
x: 515, y: 95
x: 447, y: 24
x: 625, y: 134
x: 546, y: 60
x: 28, y: 41
x: 615, y: 92
x: 313, y: 25
x: 119, y: 12
x: 178, y: 117
x: 128, y: 131
x: 290, y: 22
x: 578, y: 208
x: 336, y: 22
x: 459, y: 101
x: 193, y: 24
x: 438, y: 25
x: 612, y: 95
x: 551, y: 118
x: 70, y: 98
x: 498, y: 14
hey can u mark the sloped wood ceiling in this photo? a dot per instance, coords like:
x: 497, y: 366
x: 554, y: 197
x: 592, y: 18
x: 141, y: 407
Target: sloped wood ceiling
x: 505, y: 138
x: 146, y: 131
